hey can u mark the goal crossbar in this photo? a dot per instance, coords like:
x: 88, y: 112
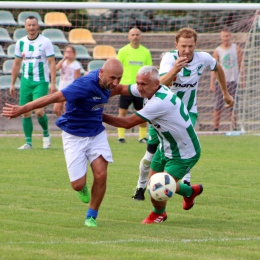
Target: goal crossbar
x: 144, y: 6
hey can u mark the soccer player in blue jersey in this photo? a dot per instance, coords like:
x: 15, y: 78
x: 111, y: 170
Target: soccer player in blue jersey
x: 84, y: 136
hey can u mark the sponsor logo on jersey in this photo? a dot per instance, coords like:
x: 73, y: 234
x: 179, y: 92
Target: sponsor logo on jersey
x: 95, y: 98
x: 137, y: 63
x: 178, y: 85
x: 99, y: 106
x: 34, y: 57
x: 199, y: 69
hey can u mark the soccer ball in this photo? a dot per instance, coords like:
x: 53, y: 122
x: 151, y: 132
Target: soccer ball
x: 161, y: 186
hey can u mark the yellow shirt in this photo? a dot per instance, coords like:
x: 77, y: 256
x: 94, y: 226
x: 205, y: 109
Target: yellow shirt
x: 132, y: 60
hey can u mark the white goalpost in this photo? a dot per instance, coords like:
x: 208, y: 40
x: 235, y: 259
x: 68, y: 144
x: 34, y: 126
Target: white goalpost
x: 109, y: 23
x: 249, y: 97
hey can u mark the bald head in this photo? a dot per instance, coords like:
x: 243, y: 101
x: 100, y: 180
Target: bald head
x: 110, y: 74
x: 135, y: 31
x: 134, y: 37
x: 113, y: 64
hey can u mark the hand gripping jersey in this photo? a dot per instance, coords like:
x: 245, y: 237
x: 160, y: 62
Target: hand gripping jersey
x: 186, y: 83
x: 170, y: 118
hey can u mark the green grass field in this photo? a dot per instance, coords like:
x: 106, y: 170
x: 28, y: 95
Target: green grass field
x: 41, y: 217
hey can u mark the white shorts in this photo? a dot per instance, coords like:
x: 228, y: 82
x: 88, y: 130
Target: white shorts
x: 79, y: 150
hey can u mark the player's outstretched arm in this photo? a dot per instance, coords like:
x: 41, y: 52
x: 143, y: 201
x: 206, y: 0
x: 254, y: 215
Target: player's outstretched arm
x: 124, y: 122
x: 12, y: 111
x: 120, y: 90
x: 220, y: 76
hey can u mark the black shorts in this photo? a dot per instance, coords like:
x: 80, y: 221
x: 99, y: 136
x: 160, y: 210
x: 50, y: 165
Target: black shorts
x: 219, y: 102
x: 126, y: 101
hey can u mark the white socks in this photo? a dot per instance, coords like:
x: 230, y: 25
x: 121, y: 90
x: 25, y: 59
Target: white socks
x: 186, y: 177
x: 144, y: 169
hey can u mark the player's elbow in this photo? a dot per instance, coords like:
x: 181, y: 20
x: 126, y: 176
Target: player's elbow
x: 128, y: 125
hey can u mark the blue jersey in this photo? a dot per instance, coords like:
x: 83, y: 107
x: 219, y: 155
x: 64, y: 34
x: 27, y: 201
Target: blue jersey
x: 84, y: 107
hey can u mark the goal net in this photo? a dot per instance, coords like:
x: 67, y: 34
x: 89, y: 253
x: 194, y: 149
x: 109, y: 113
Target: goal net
x: 109, y: 24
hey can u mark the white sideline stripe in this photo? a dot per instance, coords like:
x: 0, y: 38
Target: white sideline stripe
x: 202, y: 240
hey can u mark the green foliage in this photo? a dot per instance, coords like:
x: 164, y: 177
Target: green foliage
x: 42, y: 217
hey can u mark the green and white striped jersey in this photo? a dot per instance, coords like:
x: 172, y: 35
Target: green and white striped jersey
x: 34, y: 54
x: 169, y: 117
x: 186, y: 83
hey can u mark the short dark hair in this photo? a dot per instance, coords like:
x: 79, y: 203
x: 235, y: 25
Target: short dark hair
x: 31, y: 17
x: 225, y: 30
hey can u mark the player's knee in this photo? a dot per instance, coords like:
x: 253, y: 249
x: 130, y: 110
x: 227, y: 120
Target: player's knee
x: 77, y: 185
x: 145, y: 163
x: 100, y: 177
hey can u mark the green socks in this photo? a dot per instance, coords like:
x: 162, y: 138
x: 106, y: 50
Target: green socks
x: 43, y: 121
x: 185, y: 190
x: 158, y: 211
x: 28, y: 129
